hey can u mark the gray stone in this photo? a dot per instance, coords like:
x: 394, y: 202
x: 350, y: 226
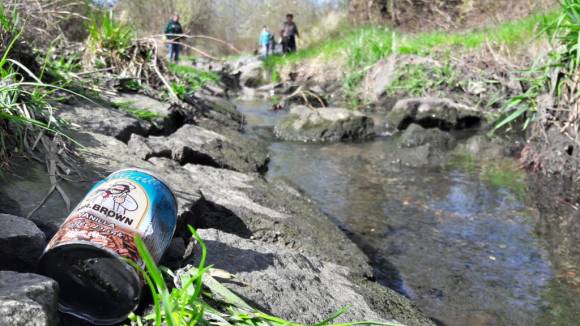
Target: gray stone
x: 237, y: 63
x: 252, y: 74
x: 168, y: 116
x: 415, y: 136
x: 107, y: 121
x: 270, y: 89
x: 433, y: 112
x: 324, y: 125
x: 216, y: 108
x: 27, y: 300
x: 208, y: 64
x: 384, y: 72
x: 244, y: 204
x: 486, y: 148
x: 192, y: 144
x: 214, y: 90
x: 21, y: 243
x: 28, y: 183
x: 378, y: 78
x: 287, y: 283
x: 427, y: 155
x: 9, y: 205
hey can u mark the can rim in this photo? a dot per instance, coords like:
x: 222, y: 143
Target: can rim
x: 83, y: 243
x: 154, y: 175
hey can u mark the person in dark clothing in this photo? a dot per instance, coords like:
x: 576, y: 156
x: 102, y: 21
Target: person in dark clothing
x: 289, y: 33
x: 272, y: 43
x: 173, y: 32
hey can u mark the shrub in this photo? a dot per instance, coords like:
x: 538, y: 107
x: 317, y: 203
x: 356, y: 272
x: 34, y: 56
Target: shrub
x: 107, y: 35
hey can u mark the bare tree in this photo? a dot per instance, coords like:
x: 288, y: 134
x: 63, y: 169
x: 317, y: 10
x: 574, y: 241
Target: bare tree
x: 235, y: 21
x: 150, y: 16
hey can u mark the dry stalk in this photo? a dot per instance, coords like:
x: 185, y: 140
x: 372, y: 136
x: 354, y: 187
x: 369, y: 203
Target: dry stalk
x: 203, y: 37
x: 43, y: 18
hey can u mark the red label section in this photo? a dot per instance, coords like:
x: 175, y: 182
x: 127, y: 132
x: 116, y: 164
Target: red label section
x: 86, y: 227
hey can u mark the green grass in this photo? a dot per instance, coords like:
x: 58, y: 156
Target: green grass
x: 143, y: 114
x: 359, y: 48
x: 26, y: 103
x: 109, y: 43
x: 563, y: 63
x: 510, y: 33
x: 377, y: 39
x: 108, y: 35
x: 420, y: 79
x: 366, y: 45
x: 62, y: 65
x: 197, y: 298
x: 191, y: 78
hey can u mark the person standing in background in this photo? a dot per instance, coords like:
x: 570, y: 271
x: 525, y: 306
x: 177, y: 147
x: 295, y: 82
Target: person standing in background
x: 173, y: 32
x: 266, y: 38
x: 289, y: 33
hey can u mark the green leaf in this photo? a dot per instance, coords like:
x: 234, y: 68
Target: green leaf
x: 517, y: 113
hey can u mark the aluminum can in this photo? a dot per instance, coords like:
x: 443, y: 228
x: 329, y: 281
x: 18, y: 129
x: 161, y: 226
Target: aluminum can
x: 88, y: 255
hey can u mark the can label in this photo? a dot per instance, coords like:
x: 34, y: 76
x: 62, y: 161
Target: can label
x: 120, y: 200
x: 126, y: 203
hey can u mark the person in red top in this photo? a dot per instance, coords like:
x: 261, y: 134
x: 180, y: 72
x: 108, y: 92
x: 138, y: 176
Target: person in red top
x: 289, y: 33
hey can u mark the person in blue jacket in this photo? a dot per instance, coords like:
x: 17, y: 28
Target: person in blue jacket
x: 266, y: 42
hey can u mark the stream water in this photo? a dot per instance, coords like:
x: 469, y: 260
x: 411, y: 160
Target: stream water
x: 459, y: 241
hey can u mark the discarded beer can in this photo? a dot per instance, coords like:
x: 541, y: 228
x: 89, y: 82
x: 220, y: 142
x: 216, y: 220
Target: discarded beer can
x: 88, y: 255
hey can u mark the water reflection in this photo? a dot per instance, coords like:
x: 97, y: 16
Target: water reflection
x: 460, y: 241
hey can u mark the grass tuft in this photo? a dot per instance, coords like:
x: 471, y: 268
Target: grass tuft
x: 107, y: 35
x: 142, y: 114
x: 26, y: 103
x: 554, y: 78
x: 421, y: 79
x: 191, y: 79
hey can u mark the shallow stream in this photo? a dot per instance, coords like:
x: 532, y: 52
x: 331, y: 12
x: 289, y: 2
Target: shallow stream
x: 460, y: 241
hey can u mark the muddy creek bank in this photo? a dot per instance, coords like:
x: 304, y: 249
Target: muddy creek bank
x: 464, y: 240
x: 289, y: 259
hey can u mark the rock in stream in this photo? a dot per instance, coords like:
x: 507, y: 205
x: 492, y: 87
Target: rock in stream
x: 324, y: 125
x: 433, y: 113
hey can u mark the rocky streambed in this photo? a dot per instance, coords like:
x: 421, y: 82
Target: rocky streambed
x: 289, y: 258
x: 444, y: 212
x: 447, y: 218
x: 307, y: 223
